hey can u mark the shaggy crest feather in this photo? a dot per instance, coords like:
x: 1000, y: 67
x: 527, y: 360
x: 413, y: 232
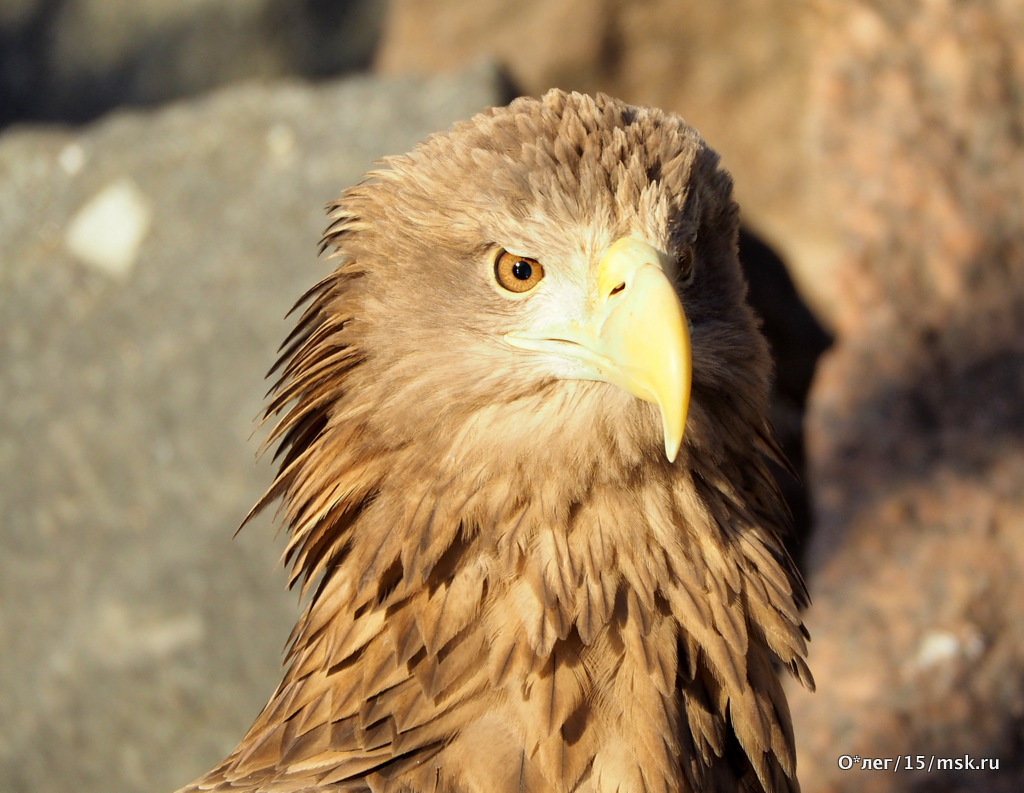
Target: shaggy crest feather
x: 509, y: 585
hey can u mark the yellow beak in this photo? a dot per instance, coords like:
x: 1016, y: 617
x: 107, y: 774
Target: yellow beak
x: 634, y: 335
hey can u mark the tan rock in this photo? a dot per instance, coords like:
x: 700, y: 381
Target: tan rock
x: 916, y: 415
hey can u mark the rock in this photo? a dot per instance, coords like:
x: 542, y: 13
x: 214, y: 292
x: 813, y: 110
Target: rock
x: 139, y: 639
x: 916, y: 416
x: 75, y: 59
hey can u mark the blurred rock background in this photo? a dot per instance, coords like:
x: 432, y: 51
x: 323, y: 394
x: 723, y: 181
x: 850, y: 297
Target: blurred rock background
x: 163, y: 168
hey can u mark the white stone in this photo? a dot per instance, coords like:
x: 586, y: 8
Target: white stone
x: 937, y: 647
x: 108, y: 231
x: 71, y: 158
x: 281, y: 143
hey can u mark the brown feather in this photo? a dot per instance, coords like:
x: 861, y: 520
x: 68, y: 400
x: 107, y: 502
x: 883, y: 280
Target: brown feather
x: 508, y: 586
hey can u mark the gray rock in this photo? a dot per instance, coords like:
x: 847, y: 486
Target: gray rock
x: 71, y: 60
x: 146, y: 263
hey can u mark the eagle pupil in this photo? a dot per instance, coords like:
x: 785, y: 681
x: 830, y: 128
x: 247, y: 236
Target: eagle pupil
x: 522, y: 270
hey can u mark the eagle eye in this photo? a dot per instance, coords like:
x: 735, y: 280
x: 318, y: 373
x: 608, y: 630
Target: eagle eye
x: 517, y: 273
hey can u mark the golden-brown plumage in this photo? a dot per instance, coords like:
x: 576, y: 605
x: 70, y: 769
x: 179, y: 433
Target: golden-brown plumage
x: 512, y: 588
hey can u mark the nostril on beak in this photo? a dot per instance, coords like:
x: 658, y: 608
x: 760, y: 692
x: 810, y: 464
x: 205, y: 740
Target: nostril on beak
x: 617, y: 289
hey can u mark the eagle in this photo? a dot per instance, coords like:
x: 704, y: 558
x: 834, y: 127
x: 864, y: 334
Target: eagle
x: 525, y: 471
